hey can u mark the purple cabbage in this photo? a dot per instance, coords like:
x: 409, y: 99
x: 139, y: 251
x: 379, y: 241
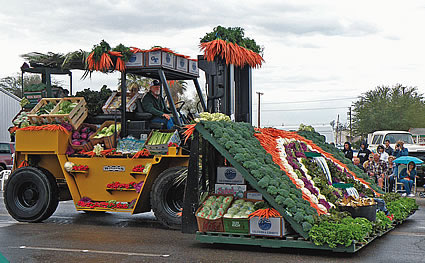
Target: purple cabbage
x: 303, y: 146
x: 85, y: 130
x: 138, y: 186
x: 69, y: 150
x: 84, y: 135
x: 300, y: 155
x: 67, y: 126
x: 76, y: 135
x: 324, y: 203
x: 85, y: 199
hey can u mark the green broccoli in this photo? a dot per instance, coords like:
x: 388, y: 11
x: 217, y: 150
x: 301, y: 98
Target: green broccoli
x: 307, y: 226
x: 309, y: 219
x: 280, y: 200
x: 299, y: 217
x: 283, y: 192
x: 264, y: 182
x: 272, y: 190
x: 289, y: 203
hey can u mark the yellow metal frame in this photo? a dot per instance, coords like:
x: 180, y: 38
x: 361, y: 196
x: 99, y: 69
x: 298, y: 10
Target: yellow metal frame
x: 49, y: 148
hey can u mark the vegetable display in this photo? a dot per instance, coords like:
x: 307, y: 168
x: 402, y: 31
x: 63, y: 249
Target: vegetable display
x: 66, y: 106
x: 108, y: 131
x: 160, y: 138
x: 240, y: 209
x: 214, y: 207
x: 46, y: 109
x: 81, y: 137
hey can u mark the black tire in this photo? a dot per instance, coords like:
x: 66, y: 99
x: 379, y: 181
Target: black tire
x: 167, y: 197
x: 31, y: 194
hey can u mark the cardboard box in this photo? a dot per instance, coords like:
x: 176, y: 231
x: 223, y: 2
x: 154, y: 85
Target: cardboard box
x: 168, y: 60
x: 208, y: 225
x: 193, y: 67
x: 271, y: 227
x: 163, y: 148
x: 225, y: 189
x: 253, y: 195
x: 236, y: 225
x: 182, y: 64
x: 229, y: 175
x: 136, y: 60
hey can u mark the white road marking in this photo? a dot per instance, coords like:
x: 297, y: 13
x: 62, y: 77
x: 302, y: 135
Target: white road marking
x: 92, y: 251
x: 397, y: 233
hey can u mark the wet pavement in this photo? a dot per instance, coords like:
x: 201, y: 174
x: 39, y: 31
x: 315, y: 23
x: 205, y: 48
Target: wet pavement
x: 71, y: 236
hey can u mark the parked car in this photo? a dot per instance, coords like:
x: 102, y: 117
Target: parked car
x: 7, y: 149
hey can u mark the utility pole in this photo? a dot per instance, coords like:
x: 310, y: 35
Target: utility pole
x: 259, y: 108
x: 351, y: 128
x: 336, y: 130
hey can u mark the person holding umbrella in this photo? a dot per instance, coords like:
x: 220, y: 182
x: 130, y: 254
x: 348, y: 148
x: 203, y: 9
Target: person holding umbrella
x: 407, y: 177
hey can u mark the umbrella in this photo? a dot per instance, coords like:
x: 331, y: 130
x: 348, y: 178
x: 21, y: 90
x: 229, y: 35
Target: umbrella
x: 408, y: 159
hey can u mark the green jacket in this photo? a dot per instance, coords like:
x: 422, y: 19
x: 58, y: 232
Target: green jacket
x: 154, y: 106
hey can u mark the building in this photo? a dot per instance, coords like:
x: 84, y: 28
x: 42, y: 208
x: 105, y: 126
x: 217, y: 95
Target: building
x: 9, y: 107
x: 418, y: 135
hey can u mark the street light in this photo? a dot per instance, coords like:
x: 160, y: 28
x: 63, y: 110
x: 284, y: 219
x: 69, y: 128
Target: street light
x: 259, y: 95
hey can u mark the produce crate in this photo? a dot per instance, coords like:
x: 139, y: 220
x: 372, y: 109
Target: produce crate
x: 207, y: 225
x: 86, y: 147
x: 237, y: 225
x: 193, y: 67
x: 76, y: 117
x: 163, y: 148
x: 107, y: 140
x: 41, y: 119
x: 114, y: 102
x: 159, y: 58
x: 182, y: 64
x: 135, y: 61
x: 42, y: 141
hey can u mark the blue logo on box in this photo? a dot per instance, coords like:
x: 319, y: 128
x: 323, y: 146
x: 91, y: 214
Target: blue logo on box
x: 264, y: 224
x: 230, y: 174
x: 154, y: 59
x: 193, y: 66
x: 132, y: 58
x: 168, y: 58
x: 182, y: 63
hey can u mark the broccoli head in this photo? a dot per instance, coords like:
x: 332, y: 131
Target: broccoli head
x: 271, y: 189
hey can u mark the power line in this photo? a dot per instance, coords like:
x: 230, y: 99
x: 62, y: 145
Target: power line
x: 332, y: 108
x: 307, y: 101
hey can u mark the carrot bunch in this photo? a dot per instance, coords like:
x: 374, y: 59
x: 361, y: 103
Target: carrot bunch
x: 90, y: 153
x: 267, y: 212
x: 189, y: 131
x: 108, y: 152
x: 24, y: 163
x: 47, y: 127
x: 232, y: 53
x: 144, y: 152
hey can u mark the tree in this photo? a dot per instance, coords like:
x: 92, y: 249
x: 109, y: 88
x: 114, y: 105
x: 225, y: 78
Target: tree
x: 13, y: 84
x: 388, y: 108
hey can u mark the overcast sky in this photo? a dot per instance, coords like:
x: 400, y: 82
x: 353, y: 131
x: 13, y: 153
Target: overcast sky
x: 314, y: 50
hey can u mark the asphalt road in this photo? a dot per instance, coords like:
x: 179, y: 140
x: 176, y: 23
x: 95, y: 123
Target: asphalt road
x: 71, y: 236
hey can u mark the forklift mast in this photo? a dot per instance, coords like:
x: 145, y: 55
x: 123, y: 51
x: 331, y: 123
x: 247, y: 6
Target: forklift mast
x: 228, y: 89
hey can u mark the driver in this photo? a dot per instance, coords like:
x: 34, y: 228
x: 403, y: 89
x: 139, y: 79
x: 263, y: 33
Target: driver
x: 154, y: 104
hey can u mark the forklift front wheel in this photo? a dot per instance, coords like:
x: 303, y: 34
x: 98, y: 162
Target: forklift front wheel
x: 31, y: 194
x: 167, y: 196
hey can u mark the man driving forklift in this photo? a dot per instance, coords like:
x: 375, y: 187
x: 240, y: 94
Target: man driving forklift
x: 154, y: 104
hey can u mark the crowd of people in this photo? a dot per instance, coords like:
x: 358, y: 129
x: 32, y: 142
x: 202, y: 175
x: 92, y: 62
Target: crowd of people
x: 380, y: 166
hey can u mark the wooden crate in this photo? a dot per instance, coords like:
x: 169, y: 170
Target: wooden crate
x: 86, y: 147
x: 108, y: 140
x: 76, y: 117
x: 42, y: 119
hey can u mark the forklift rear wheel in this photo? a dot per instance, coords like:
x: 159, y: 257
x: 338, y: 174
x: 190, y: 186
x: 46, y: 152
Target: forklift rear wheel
x: 167, y: 197
x: 31, y: 194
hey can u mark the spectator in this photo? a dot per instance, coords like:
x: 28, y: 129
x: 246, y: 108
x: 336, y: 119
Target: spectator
x: 356, y: 162
x: 399, y: 151
x: 390, y: 173
x: 377, y: 169
x: 383, y: 155
x: 366, y: 163
x: 348, y: 152
x: 407, y: 177
x: 364, y: 152
x: 388, y: 148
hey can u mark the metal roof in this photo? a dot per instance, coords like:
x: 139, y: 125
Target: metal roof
x: 13, y: 96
